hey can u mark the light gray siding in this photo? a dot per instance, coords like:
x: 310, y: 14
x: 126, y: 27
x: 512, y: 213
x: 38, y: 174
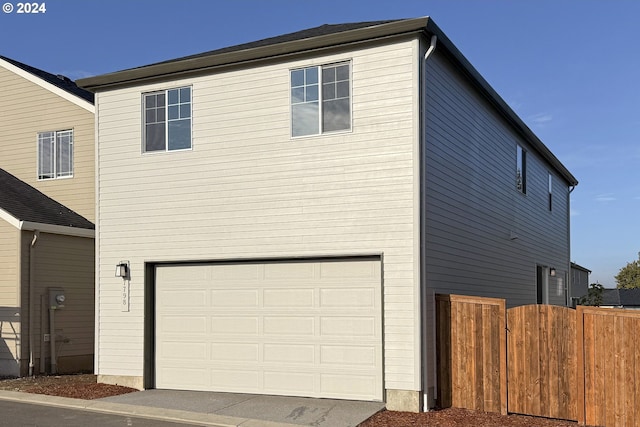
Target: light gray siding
x: 248, y: 190
x: 483, y: 236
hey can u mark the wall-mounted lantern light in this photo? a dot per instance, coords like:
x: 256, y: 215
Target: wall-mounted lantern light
x: 552, y: 272
x: 122, y: 270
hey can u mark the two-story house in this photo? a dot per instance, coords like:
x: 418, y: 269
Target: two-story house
x: 47, y: 203
x: 282, y: 213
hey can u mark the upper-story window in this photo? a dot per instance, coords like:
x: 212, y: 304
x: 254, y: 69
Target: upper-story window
x: 167, y: 120
x: 521, y: 169
x: 550, y: 191
x: 55, y: 154
x: 321, y: 99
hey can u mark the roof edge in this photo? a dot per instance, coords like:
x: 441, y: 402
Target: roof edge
x: 46, y: 228
x: 496, y: 100
x: 133, y: 75
x: 57, y: 229
x: 80, y: 102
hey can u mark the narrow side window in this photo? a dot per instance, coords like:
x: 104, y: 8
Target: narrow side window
x: 550, y: 191
x: 521, y: 169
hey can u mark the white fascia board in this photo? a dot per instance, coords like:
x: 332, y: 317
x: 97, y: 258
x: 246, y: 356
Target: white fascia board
x: 10, y: 218
x: 48, y: 86
x: 57, y: 229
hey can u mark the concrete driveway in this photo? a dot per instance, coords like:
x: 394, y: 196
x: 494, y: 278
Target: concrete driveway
x: 238, y: 409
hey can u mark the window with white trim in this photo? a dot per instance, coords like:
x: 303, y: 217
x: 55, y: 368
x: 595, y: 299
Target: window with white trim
x: 55, y: 154
x: 167, y: 120
x: 321, y: 99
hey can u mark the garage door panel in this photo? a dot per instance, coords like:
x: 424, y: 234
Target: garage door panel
x: 348, y: 326
x: 182, y: 323
x: 295, y: 270
x: 290, y: 298
x: 234, y: 298
x: 289, y: 325
x: 288, y: 382
x: 180, y: 350
x: 348, y: 355
x: 234, y: 380
x: 181, y: 299
x: 235, y: 352
x: 287, y: 328
x: 289, y: 353
x: 355, y: 298
x: 234, y: 325
x: 332, y: 385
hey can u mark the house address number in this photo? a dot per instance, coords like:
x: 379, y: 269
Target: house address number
x: 125, y: 296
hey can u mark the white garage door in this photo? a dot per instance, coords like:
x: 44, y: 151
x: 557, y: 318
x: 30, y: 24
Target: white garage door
x: 287, y: 328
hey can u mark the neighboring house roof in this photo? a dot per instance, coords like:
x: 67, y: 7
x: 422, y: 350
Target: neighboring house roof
x: 621, y: 297
x: 29, y: 209
x: 579, y: 267
x: 57, y: 80
x: 317, y: 39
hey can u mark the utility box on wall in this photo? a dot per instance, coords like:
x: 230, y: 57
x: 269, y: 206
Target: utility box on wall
x: 56, y: 298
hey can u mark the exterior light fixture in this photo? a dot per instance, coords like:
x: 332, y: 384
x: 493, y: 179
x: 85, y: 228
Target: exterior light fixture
x: 122, y: 269
x: 552, y: 272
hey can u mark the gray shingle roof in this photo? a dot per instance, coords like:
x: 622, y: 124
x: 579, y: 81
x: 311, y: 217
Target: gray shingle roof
x: 621, y: 297
x: 321, y: 30
x: 58, y: 80
x: 25, y: 203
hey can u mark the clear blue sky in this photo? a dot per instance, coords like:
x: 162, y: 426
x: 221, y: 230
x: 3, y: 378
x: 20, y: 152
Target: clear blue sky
x: 570, y: 69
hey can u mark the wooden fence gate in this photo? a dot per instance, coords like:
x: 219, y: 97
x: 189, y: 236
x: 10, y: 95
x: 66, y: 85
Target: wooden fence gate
x: 542, y: 361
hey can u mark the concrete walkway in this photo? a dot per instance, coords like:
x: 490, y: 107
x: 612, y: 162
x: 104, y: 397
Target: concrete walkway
x: 218, y: 409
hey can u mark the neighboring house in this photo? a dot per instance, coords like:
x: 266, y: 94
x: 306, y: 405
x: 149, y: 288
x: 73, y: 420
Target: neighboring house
x: 579, y: 282
x: 47, y: 134
x: 46, y: 250
x: 288, y: 208
x: 47, y: 159
x: 621, y: 298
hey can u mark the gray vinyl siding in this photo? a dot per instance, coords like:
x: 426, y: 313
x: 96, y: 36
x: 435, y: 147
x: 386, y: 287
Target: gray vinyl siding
x: 473, y: 206
x: 248, y: 190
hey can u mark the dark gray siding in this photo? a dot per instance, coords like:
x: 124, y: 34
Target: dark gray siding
x: 472, y: 208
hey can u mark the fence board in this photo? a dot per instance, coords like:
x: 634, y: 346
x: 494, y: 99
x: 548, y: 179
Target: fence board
x: 471, y: 353
x: 545, y: 386
x: 611, y: 366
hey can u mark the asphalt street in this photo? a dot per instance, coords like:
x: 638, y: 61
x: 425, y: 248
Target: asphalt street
x: 30, y: 415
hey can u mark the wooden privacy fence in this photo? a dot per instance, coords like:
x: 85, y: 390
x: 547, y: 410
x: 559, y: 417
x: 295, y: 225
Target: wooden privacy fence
x: 556, y: 362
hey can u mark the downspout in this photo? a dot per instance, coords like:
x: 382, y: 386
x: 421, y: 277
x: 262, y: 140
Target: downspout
x: 426, y: 323
x: 32, y: 272
x: 434, y: 41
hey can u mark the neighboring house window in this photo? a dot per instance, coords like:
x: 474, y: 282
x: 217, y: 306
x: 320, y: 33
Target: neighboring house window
x: 167, y: 120
x: 55, y: 154
x: 521, y: 169
x: 550, y: 192
x: 321, y: 99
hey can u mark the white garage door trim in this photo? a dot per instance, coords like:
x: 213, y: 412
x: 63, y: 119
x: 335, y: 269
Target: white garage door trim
x: 300, y: 328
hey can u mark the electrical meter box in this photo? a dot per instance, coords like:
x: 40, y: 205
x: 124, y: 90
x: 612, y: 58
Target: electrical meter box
x: 56, y: 298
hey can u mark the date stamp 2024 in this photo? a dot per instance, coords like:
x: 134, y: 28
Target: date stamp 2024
x: 24, y: 8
